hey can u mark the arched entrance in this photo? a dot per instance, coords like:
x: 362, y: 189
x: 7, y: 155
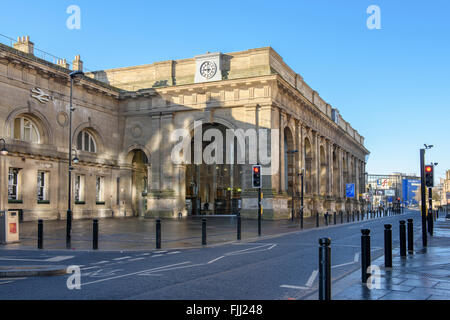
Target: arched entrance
x: 289, y: 160
x: 214, y: 186
x: 139, y: 181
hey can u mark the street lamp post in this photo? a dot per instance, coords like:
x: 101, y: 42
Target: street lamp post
x: 3, y: 151
x: 72, y: 75
x: 301, y: 174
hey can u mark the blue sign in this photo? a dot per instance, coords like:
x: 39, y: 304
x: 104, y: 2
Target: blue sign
x: 350, y: 190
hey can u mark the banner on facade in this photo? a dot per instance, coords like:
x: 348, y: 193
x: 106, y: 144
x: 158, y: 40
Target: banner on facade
x: 350, y: 190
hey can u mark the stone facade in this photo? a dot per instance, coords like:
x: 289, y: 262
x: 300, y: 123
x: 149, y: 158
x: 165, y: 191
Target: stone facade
x: 130, y: 114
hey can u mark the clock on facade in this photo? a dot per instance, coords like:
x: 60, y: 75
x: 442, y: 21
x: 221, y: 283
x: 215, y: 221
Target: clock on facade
x: 208, y: 69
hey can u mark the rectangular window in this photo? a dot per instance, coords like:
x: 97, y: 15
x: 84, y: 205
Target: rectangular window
x: 42, y: 186
x: 99, y: 188
x: 13, y: 184
x: 79, y: 189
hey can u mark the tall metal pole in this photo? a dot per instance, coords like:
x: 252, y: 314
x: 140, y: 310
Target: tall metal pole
x: 301, y: 200
x: 69, y: 208
x: 422, y: 193
x: 259, y: 211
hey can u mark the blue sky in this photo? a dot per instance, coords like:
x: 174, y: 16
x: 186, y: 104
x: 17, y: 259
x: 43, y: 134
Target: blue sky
x: 392, y: 84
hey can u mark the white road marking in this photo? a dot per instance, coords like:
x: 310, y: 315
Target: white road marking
x: 344, y: 264
x: 101, y: 262
x: 121, y: 258
x: 138, y: 272
x: 293, y: 287
x: 157, y: 255
x: 215, y: 259
x: 89, y: 268
x: 53, y: 259
x: 145, y: 254
x: 103, y: 273
x: 174, y: 252
x: 14, y: 259
x: 160, y: 251
x: 252, y: 250
x: 59, y: 258
x: 312, y: 278
x: 136, y: 259
x: 5, y: 282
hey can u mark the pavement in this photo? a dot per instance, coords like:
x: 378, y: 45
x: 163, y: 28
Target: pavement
x: 423, y: 275
x: 136, y: 233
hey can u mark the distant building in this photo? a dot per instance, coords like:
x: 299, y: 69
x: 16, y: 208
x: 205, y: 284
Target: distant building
x: 445, y: 189
x: 384, y: 190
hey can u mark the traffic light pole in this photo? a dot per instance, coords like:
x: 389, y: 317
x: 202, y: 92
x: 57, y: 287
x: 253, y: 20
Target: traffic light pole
x: 259, y: 211
x: 301, y: 202
x: 423, y: 200
x: 430, y: 211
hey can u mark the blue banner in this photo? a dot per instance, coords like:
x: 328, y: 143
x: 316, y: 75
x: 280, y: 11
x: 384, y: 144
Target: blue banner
x: 350, y: 190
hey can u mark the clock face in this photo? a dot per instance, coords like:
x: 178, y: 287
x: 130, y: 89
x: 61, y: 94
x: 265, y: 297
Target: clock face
x: 208, y: 69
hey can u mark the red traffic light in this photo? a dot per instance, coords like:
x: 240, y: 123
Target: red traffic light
x: 255, y: 169
x: 428, y: 168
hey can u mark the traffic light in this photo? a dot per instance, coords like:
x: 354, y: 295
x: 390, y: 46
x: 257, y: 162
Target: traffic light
x: 256, y: 176
x: 429, y: 180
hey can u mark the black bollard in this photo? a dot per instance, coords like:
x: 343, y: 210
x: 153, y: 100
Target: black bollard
x: 158, y: 234
x: 353, y: 216
x: 325, y: 216
x: 317, y: 219
x: 410, y: 236
x: 342, y: 217
x: 388, y: 246
x: 334, y: 217
x: 40, y: 234
x: 204, y: 231
x: 348, y: 216
x: 301, y: 219
x: 95, y: 234
x: 324, y: 269
x: 239, y: 227
x: 402, y: 239
x: 365, y: 254
x: 430, y: 222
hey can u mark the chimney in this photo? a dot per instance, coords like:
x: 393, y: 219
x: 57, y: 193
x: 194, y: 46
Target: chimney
x: 62, y: 63
x: 25, y: 45
x: 77, y: 64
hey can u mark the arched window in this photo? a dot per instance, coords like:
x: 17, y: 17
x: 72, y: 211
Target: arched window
x: 26, y: 130
x: 86, y: 142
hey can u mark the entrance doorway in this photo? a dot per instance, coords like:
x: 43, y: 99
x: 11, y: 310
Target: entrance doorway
x: 139, y: 182
x: 214, y: 188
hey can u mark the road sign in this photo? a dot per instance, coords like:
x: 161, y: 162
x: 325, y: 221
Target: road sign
x: 350, y: 190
